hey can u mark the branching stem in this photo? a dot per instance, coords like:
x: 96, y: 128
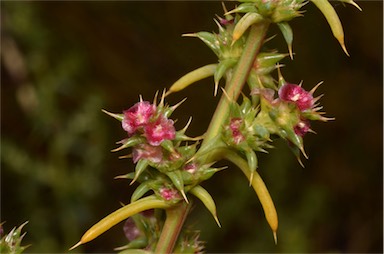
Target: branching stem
x: 172, y: 227
x: 240, y: 75
x: 176, y: 215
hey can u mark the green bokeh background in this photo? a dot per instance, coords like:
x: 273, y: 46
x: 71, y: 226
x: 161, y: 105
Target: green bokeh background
x: 62, y: 62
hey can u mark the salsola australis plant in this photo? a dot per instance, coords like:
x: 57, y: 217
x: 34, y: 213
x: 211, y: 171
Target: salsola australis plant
x: 170, y: 165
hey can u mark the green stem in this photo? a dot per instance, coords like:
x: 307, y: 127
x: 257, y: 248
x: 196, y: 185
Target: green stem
x: 240, y: 75
x: 172, y: 227
x: 176, y: 216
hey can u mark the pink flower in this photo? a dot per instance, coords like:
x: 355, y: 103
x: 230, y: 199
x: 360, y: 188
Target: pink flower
x: 235, y: 125
x: 146, y: 151
x: 295, y: 93
x: 131, y: 231
x: 169, y: 194
x: 160, y: 130
x: 302, y: 128
x: 137, y: 116
x: 191, y: 167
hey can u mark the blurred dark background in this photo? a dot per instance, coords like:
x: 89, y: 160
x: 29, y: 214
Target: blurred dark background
x: 62, y: 62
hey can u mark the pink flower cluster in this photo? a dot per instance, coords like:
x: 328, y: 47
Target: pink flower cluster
x: 142, y: 118
x: 234, y: 126
x: 169, y: 194
x: 303, y: 100
x: 146, y: 120
x: 296, y: 94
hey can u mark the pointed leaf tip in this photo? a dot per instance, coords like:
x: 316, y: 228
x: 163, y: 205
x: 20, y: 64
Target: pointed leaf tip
x: 119, y: 117
x: 344, y: 48
x: 184, y: 196
x: 275, y: 237
x: 217, y: 221
x: 251, y: 178
x: 76, y: 245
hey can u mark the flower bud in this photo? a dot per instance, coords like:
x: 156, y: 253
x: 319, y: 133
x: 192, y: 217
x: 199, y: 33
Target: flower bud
x: 296, y: 94
x: 146, y: 151
x: 131, y: 231
x: 169, y: 194
x: 234, y: 126
x: 137, y: 116
x: 302, y: 127
x: 159, y: 130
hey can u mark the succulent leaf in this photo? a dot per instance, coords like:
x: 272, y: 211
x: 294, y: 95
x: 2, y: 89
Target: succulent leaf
x: 244, y: 23
x: 286, y: 30
x: 140, y: 167
x: 222, y: 68
x: 192, y: 77
x: 121, y: 214
x: 207, y: 200
x: 140, y: 191
x: 333, y: 20
x: 177, y: 180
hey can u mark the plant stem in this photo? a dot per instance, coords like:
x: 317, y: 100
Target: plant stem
x: 240, y: 75
x: 176, y: 216
x: 172, y: 227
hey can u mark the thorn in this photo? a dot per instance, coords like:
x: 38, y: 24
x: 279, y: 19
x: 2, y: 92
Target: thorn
x: 300, y: 162
x: 184, y: 196
x: 134, y: 180
x: 235, y: 37
x: 120, y: 177
x: 344, y: 48
x: 76, y: 245
x: 168, y: 93
x: 155, y: 98
x: 290, y: 51
x: 275, y: 237
x: 191, y: 159
x: 125, y: 156
x: 355, y: 4
x: 230, y: 12
x: 187, y: 125
x: 216, y: 87
x: 217, y: 23
x: 251, y: 178
x: 189, y: 35
x: 270, y: 38
x: 316, y: 86
x: 303, y: 152
x: 118, y: 149
x: 318, y: 98
x: 161, y: 103
x: 217, y: 221
x: 116, y: 116
x: 224, y: 7
x: 174, y: 107
x: 226, y: 95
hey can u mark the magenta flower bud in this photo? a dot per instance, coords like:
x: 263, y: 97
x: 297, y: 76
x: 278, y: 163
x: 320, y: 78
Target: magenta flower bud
x: 234, y: 126
x: 191, y: 167
x: 146, y: 151
x: 131, y: 231
x: 296, y: 94
x: 169, y: 194
x: 137, y: 116
x: 302, y: 127
x: 160, y: 130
